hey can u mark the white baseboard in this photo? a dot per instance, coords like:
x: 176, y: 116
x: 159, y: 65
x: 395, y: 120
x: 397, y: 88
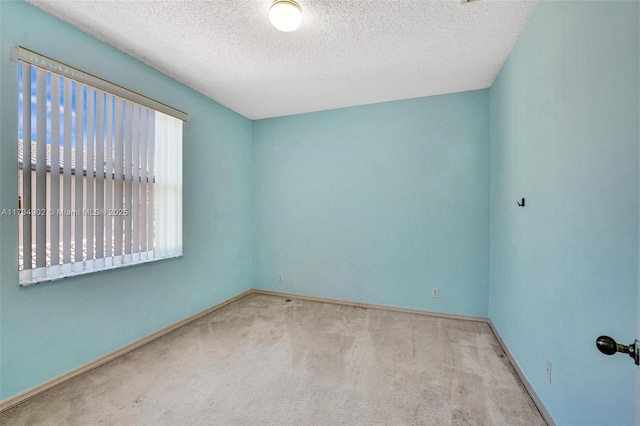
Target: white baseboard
x: 37, y: 390
x: 523, y: 378
x: 370, y: 305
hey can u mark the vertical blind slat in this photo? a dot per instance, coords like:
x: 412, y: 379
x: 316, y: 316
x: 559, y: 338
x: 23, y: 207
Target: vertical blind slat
x: 79, y: 171
x: 135, y: 176
x: 118, y: 182
x: 162, y: 214
x: 152, y: 180
x: 54, y: 193
x: 108, y: 229
x: 144, y: 127
x: 175, y: 164
x: 90, y: 194
x: 41, y: 169
x: 27, y: 242
x: 66, y: 174
x: 100, y: 139
x: 127, y: 178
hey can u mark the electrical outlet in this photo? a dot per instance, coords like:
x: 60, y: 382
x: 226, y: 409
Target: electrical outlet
x: 547, y: 372
x: 435, y: 293
x: 280, y: 277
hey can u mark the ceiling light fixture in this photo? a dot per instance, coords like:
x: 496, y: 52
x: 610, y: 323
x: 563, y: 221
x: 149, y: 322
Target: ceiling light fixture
x: 285, y: 15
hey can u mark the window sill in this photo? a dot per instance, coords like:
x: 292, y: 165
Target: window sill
x: 70, y: 274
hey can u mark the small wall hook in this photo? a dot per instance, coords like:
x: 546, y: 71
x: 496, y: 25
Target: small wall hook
x: 521, y: 205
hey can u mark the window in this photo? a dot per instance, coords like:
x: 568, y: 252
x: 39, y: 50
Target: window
x: 99, y: 173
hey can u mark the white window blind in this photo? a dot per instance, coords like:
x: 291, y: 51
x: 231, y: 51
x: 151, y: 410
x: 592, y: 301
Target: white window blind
x: 99, y: 174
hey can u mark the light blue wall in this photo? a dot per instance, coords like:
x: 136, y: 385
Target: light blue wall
x: 564, y: 134
x: 50, y: 329
x: 377, y: 204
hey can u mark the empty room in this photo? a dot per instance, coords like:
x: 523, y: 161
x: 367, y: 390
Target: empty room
x: 356, y: 212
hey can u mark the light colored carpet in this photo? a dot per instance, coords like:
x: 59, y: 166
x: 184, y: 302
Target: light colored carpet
x: 264, y: 361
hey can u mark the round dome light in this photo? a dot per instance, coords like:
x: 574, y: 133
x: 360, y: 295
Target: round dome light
x: 285, y: 15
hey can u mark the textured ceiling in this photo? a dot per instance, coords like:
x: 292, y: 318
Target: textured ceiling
x: 345, y: 53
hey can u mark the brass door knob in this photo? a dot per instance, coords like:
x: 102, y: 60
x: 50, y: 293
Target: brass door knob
x: 608, y: 346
